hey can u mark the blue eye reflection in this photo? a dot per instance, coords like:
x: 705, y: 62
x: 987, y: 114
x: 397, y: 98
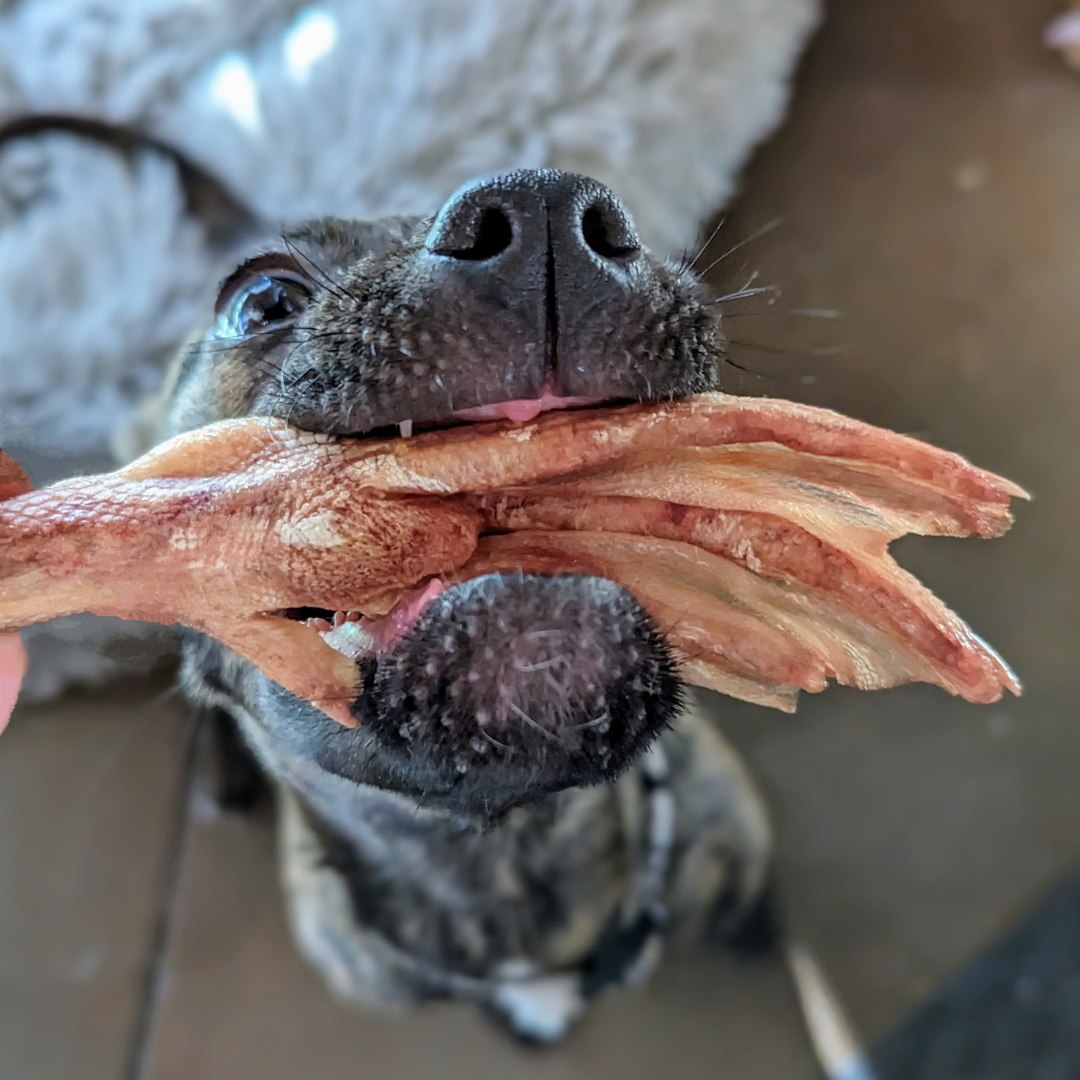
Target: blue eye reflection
x: 263, y: 303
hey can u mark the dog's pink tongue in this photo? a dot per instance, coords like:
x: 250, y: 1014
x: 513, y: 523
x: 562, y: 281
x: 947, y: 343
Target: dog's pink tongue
x: 12, y: 669
x: 524, y: 409
x: 389, y: 629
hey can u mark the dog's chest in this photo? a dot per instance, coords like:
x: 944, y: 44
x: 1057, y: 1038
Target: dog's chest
x: 541, y: 885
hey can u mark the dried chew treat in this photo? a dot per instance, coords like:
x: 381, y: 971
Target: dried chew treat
x: 220, y: 529
x: 755, y: 532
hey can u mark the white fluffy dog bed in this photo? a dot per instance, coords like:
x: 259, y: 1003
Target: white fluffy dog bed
x: 349, y: 107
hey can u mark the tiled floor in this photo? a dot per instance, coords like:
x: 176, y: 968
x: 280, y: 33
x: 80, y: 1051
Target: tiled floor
x: 928, y: 181
x: 89, y: 793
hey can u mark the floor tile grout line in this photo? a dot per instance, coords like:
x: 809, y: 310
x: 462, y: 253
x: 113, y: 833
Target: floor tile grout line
x: 150, y: 995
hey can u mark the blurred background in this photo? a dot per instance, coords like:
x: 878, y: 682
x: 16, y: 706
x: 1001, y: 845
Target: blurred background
x: 925, y: 189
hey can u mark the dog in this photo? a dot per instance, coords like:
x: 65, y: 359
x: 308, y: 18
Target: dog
x: 531, y: 802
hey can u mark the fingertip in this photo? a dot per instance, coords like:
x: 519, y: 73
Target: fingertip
x: 12, y: 669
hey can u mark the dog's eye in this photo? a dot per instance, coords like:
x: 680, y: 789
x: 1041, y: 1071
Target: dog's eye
x: 262, y: 303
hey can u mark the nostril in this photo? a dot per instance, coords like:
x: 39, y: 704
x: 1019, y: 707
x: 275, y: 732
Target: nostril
x: 493, y: 235
x: 608, y: 233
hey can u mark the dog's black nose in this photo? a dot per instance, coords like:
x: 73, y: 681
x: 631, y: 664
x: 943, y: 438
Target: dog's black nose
x: 553, y: 251
x: 540, y: 214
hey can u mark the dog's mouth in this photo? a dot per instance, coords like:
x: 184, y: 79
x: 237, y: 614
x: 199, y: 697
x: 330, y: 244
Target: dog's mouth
x: 507, y: 685
x: 514, y: 684
x: 359, y: 636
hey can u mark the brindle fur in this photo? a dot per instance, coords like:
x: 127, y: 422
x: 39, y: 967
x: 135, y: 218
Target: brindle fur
x: 408, y: 837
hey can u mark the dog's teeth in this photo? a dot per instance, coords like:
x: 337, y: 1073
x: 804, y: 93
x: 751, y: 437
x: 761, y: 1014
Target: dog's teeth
x: 350, y: 639
x: 339, y: 618
x: 406, y: 429
x: 318, y: 624
x: 353, y: 616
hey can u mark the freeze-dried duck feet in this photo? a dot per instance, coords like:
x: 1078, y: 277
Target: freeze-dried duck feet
x: 302, y: 662
x: 755, y: 531
x: 221, y: 552
x: 914, y: 635
x: 755, y: 637
x: 561, y: 445
x: 13, y: 478
x: 201, y: 549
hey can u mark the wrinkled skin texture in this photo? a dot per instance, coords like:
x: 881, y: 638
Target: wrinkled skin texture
x: 754, y: 531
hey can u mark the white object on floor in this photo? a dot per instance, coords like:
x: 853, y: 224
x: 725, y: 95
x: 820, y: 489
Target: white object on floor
x: 835, y: 1045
